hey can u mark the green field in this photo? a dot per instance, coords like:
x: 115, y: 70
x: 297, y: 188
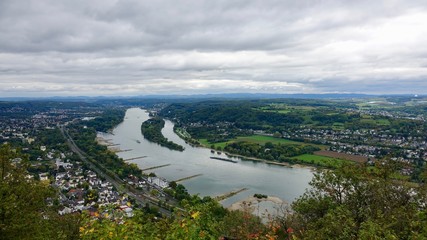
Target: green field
x: 320, y: 160
x: 384, y: 122
x: 259, y: 139
x: 205, y: 143
x: 338, y: 126
x: 285, y: 108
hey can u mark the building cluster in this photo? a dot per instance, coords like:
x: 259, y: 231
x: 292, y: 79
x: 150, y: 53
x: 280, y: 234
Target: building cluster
x: 369, y: 143
x: 22, y: 124
x: 79, y: 188
x: 408, y: 150
x: 394, y: 114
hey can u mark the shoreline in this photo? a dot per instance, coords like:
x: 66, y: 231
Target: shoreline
x: 251, y: 202
x: 107, y: 142
x: 102, y: 141
x: 283, y: 164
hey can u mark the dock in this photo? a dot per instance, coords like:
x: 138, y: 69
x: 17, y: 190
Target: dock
x: 134, y: 158
x: 189, y: 177
x: 124, y: 150
x: 112, y: 144
x: 224, y: 159
x: 160, y: 166
x: 229, y: 194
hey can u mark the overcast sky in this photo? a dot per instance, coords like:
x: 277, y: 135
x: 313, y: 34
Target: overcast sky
x: 134, y: 47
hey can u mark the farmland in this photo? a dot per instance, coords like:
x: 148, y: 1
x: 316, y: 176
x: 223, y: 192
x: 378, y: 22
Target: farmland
x: 258, y: 139
x: 331, y: 154
x: 317, y: 160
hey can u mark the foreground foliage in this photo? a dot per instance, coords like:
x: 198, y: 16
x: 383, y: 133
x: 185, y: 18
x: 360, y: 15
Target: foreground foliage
x: 203, y: 219
x: 24, y: 209
x: 354, y: 202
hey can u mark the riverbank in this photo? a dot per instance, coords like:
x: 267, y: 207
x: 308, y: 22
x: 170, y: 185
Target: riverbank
x: 108, y: 143
x: 283, y: 164
x: 243, y: 158
x: 252, y: 203
x: 102, y: 141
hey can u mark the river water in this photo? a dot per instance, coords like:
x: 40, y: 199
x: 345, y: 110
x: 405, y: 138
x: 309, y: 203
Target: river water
x: 218, y: 177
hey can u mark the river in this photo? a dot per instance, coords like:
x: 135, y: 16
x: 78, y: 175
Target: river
x: 218, y: 177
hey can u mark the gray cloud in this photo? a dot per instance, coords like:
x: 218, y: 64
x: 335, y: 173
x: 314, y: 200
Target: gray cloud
x: 130, y: 47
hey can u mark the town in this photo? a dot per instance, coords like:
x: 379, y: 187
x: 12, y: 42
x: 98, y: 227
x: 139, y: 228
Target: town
x: 35, y: 130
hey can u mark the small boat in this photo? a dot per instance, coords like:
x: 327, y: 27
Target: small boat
x: 138, y: 141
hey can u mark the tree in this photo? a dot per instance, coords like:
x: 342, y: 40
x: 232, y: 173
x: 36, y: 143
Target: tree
x: 24, y: 213
x: 269, y: 145
x: 354, y: 202
x: 277, y: 135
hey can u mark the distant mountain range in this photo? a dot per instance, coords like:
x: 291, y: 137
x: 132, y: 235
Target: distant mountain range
x: 202, y: 96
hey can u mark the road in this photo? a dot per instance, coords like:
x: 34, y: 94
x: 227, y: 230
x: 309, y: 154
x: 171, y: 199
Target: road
x: 140, y: 197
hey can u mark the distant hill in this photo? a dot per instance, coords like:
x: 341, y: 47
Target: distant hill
x: 195, y: 96
x: 207, y: 96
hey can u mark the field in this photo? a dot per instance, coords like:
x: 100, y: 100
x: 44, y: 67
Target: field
x: 354, y: 158
x: 338, y: 126
x: 206, y: 143
x: 319, y: 160
x: 374, y: 103
x: 329, y: 159
x: 259, y: 139
x: 284, y: 107
x: 383, y: 122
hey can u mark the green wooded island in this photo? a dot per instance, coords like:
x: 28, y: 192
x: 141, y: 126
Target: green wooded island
x: 152, y: 131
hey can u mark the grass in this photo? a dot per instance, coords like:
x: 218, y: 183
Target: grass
x: 282, y: 111
x: 307, y: 157
x: 259, y: 139
x: 338, y: 126
x: 285, y: 108
x: 206, y: 143
x: 320, y: 160
x: 384, y: 122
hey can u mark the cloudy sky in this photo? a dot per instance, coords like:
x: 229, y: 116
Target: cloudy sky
x: 135, y: 47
